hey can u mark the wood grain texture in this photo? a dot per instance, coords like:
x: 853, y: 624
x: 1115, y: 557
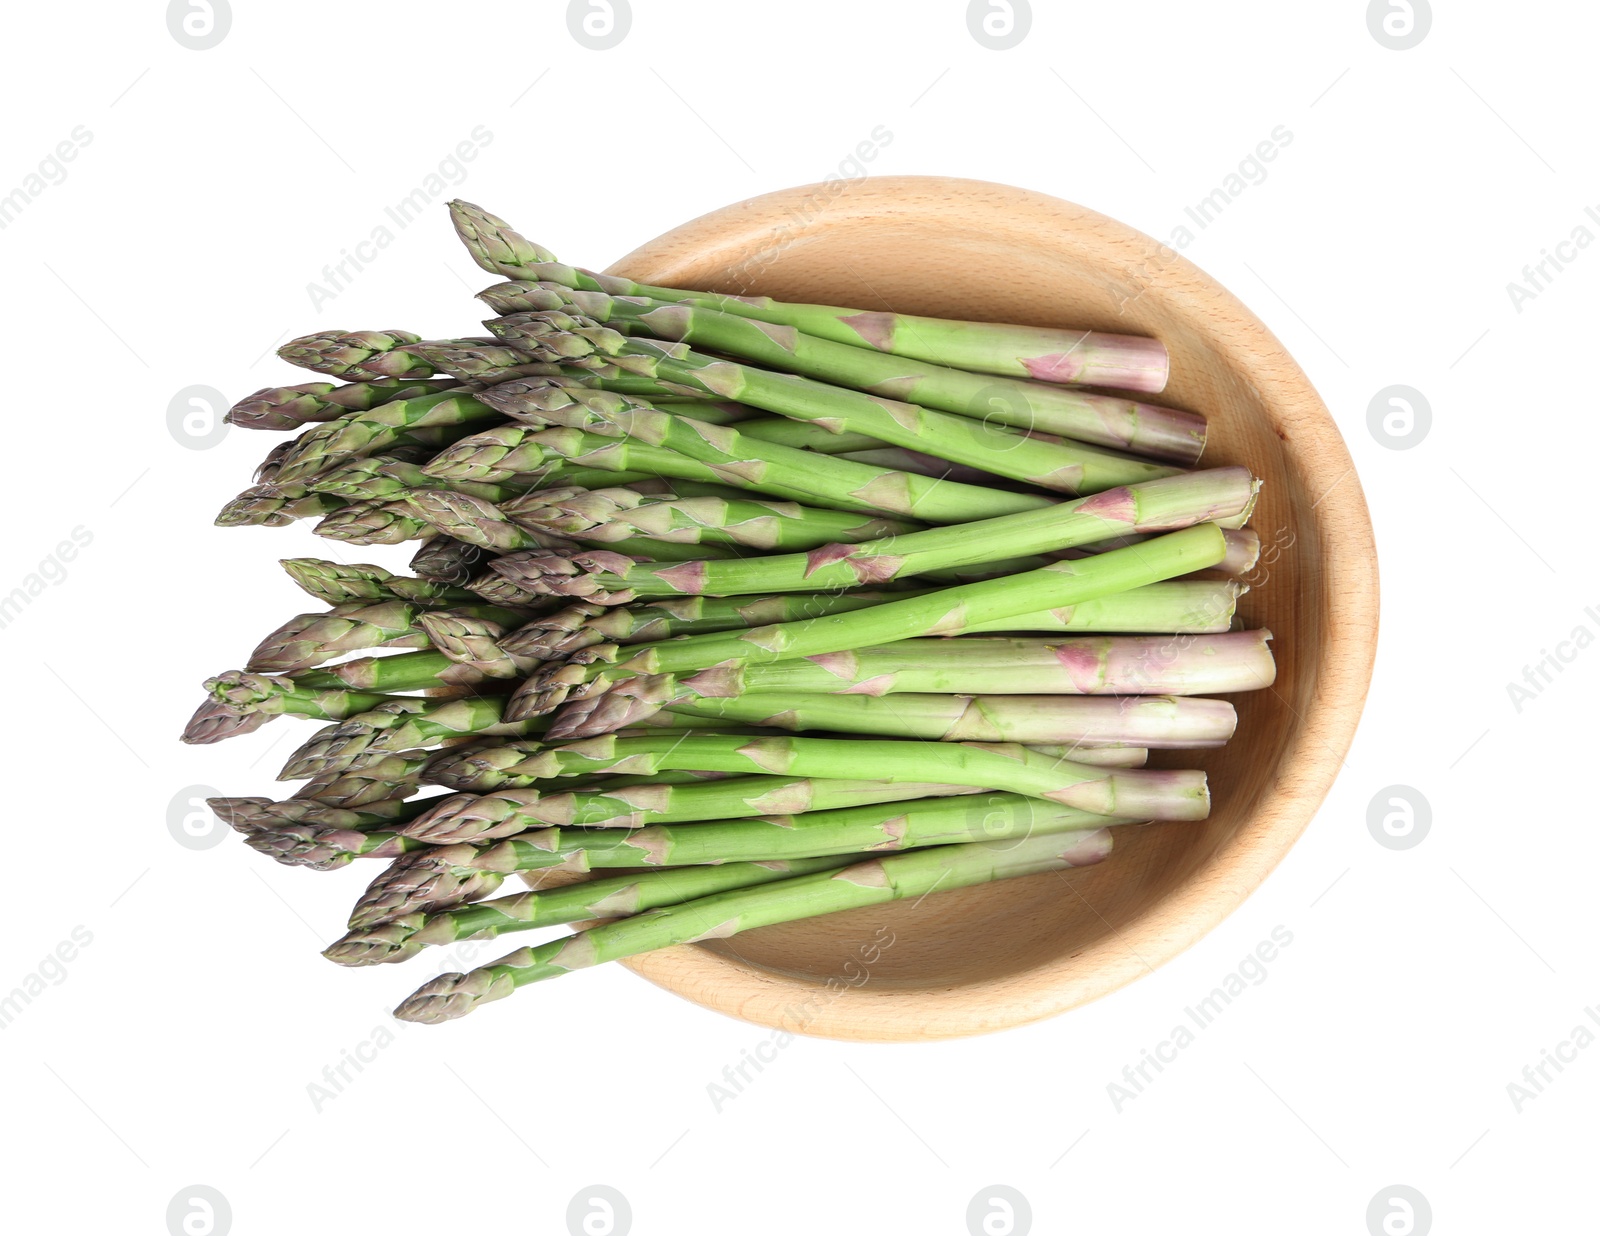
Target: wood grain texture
x: 982, y: 959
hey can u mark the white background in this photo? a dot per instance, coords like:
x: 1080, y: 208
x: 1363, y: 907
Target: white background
x: 178, y: 1047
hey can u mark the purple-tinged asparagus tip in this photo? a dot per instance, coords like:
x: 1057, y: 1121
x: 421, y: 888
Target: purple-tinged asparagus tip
x: 376, y: 946
x: 213, y: 721
x: 453, y: 995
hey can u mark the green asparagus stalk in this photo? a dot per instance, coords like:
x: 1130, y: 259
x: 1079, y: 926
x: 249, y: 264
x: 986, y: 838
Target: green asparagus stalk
x: 339, y: 583
x: 607, y: 516
x: 327, y: 849
x: 390, y: 777
x: 365, y: 354
x: 751, y: 454
x: 632, y: 892
x: 373, y: 523
x: 558, y: 635
x: 721, y: 456
x: 1148, y: 721
x: 1104, y: 420
x: 246, y: 693
x: 477, y: 818
x: 479, y: 365
x: 398, y: 725
x: 1043, y: 354
x: 248, y: 815
x: 275, y: 505
x: 1057, y: 464
x: 606, y: 577
x: 380, y: 478
x: 1183, y: 606
x: 878, y: 880
x: 405, y: 722
x: 478, y: 522
x: 384, y: 478
x: 1141, y: 793
x: 994, y: 665
x: 292, y: 407
x: 477, y: 459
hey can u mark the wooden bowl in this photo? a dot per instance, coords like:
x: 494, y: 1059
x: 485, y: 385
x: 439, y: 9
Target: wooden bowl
x: 981, y: 959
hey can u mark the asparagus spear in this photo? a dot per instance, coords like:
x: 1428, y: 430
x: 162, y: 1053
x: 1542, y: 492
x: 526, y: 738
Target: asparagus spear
x: 630, y: 893
x: 478, y: 818
x: 1155, y: 505
x: 992, y: 665
x: 1104, y: 420
x: 381, y: 478
x: 878, y: 880
x: 249, y: 815
x: 247, y: 693
x: 339, y: 583
x: 397, y: 725
x: 760, y: 451
x: 718, y: 454
x: 478, y: 522
x: 1146, y: 794
x: 1057, y: 464
x: 610, y: 515
x: 275, y: 505
x: 1148, y: 721
x: 373, y: 523
x: 558, y: 635
x: 291, y: 407
x: 594, y: 671
x: 474, y: 643
x: 479, y: 365
x: 401, y: 723
x: 1183, y: 606
x: 498, y: 456
x: 391, y: 776
x: 369, y: 354
x: 214, y: 722
x: 1043, y: 354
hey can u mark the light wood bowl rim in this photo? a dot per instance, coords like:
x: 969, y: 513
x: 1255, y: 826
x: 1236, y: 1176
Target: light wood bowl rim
x: 1310, y: 762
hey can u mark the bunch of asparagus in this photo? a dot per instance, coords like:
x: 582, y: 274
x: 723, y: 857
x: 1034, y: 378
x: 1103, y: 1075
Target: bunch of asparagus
x: 725, y: 612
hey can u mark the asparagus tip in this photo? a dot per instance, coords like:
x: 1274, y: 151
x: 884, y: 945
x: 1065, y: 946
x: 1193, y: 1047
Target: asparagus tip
x: 375, y: 946
x: 213, y: 721
x: 452, y: 995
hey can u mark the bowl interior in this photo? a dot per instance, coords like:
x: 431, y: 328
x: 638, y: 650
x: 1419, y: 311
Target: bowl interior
x: 981, y: 958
